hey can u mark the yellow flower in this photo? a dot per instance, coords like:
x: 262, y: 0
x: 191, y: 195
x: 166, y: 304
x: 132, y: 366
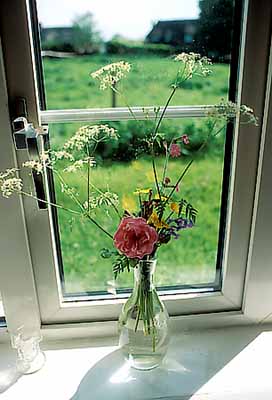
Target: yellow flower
x: 157, y: 197
x: 142, y: 191
x: 129, y: 203
x: 174, y: 207
x: 154, y: 220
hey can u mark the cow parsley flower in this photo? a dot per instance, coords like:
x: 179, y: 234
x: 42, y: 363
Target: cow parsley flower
x: 10, y: 186
x: 111, y: 74
x: 79, y: 164
x: 61, y: 155
x: 7, y: 173
x: 228, y: 111
x: 194, y: 64
x: 35, y: 165
x: 107, y: 199
x: 88, y: 133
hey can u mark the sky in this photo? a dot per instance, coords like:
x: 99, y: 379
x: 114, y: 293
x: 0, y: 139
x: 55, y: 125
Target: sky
x: 132, y: 19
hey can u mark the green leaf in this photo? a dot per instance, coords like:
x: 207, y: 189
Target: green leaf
x: 120, y: 264
x: 107, y: 253
x: 187, y: 209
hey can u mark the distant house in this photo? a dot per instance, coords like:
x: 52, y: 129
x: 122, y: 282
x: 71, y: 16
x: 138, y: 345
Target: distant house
x: 57, y: 34
x: 58, y: 38
x: 178, y: 33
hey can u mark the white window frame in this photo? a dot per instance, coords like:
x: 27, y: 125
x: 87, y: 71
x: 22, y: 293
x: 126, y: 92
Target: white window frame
x: 37, y: 296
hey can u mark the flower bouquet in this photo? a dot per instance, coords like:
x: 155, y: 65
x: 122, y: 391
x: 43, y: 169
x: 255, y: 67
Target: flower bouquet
x: 162, y: 211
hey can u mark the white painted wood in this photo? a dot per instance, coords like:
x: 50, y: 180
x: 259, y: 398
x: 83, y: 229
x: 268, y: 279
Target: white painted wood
x: 258, y: 292
x: 16, y: 274
x: 242, y: 191
x: 220, y: 364
x: 120, y: 113
x: 251, y: 90
x: 38, y: 244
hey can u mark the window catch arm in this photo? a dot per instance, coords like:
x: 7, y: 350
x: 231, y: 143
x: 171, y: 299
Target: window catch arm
x: 27, y: 138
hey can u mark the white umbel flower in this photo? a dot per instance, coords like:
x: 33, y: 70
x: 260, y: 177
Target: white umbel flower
x: 194, y: 64
x: 35, y: 165
x: 227, y: 111
x: 111, y: 74
x: 10, y: 186
x: 7, y: 173
x: 79, y: 164
x: 89, y: 133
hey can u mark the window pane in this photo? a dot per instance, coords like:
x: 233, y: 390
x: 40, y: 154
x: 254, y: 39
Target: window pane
x: 190, y: 260
x: 77, y: 40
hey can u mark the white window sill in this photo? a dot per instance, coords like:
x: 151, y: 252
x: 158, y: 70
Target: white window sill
x: 219, y: 364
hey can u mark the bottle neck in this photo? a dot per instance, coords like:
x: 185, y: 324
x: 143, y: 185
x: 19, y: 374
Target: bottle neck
x: 144, y: 274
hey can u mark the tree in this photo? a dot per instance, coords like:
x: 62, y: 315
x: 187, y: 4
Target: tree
x: 215, y: 28
x: 86, y: 39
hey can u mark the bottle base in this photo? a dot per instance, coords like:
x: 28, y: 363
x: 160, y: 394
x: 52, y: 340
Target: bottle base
x: 143, y: 363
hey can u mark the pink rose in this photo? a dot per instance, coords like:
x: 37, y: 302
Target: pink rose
x: 135, y: 238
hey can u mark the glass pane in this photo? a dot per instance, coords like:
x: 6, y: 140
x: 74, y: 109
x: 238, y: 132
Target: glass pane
x: 80, y: 37
x: 121, y: 170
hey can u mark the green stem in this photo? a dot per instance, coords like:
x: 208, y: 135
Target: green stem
x: 154, y: 137
x: 88, y: 180
x: 72, y: 196
x: 126, y: 103
x: 137, y: 318
x: 155, y: 173
x: 164, y: 110
x: 178, y: 181
x: 167, y: 160
x: 101, y: 192
x: 87, y: 215
x: 138, y: 311
x: 99, y: 226
x: 49, y: 203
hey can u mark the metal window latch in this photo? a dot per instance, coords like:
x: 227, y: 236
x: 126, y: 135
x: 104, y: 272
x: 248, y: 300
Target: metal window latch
x: 23, y: 133
x: 26, y: 137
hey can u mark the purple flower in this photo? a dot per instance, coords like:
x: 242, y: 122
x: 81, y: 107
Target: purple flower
x: 172, y: 232
x: 180, y: 223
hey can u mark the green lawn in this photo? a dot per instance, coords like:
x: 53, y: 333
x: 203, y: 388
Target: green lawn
x: 191, y: 259
x: 68, y: 84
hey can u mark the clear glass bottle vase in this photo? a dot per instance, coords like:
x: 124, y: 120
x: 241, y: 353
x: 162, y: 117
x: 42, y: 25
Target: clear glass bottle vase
x: 144, y: 321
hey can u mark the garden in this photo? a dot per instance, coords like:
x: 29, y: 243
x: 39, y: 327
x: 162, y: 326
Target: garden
x: 192, y: 258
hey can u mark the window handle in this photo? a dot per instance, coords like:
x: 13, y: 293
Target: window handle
x: 26, y: 138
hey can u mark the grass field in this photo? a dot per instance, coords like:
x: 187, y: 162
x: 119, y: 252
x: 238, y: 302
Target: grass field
x: 191, y: 259
x: 68, y: 84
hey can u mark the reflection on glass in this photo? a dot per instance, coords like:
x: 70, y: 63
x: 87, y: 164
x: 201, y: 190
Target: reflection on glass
x: 189, y: 260
x: 77, y: 41
x: 1, y: 307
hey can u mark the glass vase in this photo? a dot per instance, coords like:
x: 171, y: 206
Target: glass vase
x: 144, y: 321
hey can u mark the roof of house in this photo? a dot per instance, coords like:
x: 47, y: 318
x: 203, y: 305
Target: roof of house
x: 172, y: 30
